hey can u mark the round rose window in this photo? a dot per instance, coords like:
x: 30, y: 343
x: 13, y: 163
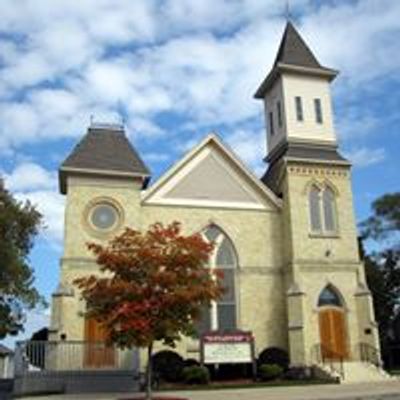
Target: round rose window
x: 104, y: 216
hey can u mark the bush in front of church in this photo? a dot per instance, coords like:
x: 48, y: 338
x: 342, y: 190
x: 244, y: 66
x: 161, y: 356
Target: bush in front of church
x: 274, y: 355
x: 196, y: 374
x: 168, y: 366
x: 269, y: 372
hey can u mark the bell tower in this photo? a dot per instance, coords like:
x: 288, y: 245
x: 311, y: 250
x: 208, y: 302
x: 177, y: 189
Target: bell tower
x: 314, y: 181
x: 297, y: 99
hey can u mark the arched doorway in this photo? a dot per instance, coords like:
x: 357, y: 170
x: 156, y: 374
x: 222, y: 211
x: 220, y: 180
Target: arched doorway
x: 332, y: 325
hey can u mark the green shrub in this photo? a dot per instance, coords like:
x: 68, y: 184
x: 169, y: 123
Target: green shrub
x: 274, y: 355
x: 268, y: 372
x: 196, y: 374
x: 189, y: 362
x: 168, y: 366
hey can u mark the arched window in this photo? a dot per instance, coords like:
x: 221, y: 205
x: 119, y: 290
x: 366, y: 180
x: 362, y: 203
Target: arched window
x: 322, y: 204
x: 315, y: 209
x: 329, y: 297
x: 222, y: 314
x: 328, y: 200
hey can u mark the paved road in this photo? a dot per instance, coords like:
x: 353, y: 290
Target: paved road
x: 366, y: 391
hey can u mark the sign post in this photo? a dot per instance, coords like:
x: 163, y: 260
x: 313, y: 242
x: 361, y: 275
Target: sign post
x: 228, y: 348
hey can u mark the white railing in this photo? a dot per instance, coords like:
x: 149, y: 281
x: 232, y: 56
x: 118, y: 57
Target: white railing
x: 53, y: 356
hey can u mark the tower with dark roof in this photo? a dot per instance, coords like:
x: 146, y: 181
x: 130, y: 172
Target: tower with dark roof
x: 102, y: 180
x: 104, y: 151
x: 313, y: 180
x: 298, y: 106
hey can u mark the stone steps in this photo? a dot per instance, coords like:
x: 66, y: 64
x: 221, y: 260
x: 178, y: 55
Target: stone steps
x: 358, y: 371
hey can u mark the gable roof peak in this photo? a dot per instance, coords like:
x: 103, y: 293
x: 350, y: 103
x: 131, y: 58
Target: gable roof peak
x: 215, y: 139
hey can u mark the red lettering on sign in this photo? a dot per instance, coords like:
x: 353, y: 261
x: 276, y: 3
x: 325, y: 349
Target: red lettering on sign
x: 228, y: 338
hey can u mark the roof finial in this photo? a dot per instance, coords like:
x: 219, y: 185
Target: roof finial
x: 287, y: 11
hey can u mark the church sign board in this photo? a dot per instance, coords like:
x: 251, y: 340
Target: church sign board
x: 222, y: 348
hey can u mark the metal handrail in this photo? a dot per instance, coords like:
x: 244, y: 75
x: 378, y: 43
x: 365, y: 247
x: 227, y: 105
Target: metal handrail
x: 326, y: 356
x: 369, y: 354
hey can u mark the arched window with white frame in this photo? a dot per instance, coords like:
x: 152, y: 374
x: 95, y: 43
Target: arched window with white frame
x: 221, y: 315
x: 322, y: 210
x: 329, y: 205
x: 315, y: 209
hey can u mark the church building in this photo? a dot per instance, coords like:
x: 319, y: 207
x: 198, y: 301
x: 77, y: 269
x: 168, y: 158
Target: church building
x: 287, y: 242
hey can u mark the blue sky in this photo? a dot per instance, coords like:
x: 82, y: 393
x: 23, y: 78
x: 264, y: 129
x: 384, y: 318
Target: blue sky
x: 175, y: 70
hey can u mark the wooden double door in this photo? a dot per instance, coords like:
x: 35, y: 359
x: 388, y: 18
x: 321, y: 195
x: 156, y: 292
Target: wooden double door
x: 97, y: 353
x: 333, y: 333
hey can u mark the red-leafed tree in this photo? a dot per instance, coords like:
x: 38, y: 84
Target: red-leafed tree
x: 153, y: 287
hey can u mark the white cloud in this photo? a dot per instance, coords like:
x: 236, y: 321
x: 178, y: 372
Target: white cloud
x: 124, y: 21
x: 199, y: 62
x: 143, y: 127
x: 30, y: 181
x: 250, y: 147
x: 30, y: 176
x: 108, y: 81
x: 54, y: 103
x: 354, y: 125
x: 220, y: 16
x: 51, y: 205
x: 364, y: 157
x: 20, y: 123
x: 359, y: 38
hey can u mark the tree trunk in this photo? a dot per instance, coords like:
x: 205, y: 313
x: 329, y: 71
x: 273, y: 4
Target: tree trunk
x: 149, y: 372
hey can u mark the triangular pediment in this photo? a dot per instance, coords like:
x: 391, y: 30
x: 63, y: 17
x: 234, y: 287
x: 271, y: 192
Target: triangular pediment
x: 211, y: 176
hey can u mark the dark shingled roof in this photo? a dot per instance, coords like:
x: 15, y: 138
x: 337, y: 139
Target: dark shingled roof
x: 293, y: 55
x: 294, y: 50
x: 104, y: 150
x: 308, y: 153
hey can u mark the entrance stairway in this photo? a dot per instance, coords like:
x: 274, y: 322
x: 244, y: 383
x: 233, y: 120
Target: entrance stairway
x: 359, y: 371
x: 366, y: 369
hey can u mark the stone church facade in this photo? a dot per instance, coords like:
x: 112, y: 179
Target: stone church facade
x: 287, y: 242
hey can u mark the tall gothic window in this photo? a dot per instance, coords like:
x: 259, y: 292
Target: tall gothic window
x: 222, y: 313
x: 328, y: 201
x: 322, y: 204
x: 315, y: 209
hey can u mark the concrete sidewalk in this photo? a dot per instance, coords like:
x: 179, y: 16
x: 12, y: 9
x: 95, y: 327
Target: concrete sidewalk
x: 370, y: 391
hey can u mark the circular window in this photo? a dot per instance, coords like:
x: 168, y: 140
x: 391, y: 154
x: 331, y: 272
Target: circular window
x: 104, y: 216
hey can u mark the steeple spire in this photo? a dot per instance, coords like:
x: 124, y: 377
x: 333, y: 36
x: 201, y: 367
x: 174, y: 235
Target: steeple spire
x: 297, y: 101
x: 293, y: 56
x: 294, y: 51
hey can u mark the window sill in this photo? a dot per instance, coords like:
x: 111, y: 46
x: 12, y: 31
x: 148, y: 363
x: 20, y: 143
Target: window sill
x: 324, y: 235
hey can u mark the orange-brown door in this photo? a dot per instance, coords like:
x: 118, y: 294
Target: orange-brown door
x: 333, y: 333
x: 97, y: 354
